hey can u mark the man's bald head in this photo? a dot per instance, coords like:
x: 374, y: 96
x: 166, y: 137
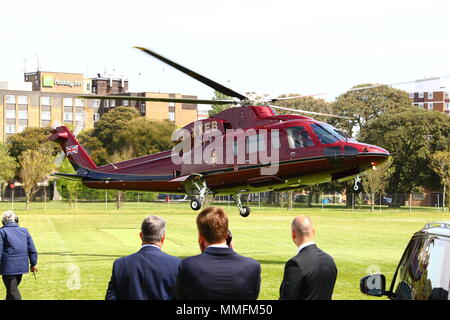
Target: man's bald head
x: 303, y: 227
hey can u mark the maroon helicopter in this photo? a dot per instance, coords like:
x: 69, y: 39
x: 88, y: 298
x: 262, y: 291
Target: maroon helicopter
x: 243, y: 149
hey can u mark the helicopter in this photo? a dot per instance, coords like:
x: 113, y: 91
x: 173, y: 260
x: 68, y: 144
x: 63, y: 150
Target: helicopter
x: 243, y: 149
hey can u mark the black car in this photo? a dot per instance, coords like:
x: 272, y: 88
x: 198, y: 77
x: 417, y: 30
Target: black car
x: 424, y: 269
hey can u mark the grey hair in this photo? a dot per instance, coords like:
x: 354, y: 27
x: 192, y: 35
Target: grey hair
x: 153, y: 229
x: 8, y: 216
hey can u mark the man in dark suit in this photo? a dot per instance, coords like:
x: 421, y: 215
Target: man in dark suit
x: 218, y: 273
x: 148, y: 274
x: 16, y: 249
x: 311, y: 274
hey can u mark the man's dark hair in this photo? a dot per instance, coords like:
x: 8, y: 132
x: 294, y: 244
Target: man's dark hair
x: 153, y: 229
x: 212, y: 223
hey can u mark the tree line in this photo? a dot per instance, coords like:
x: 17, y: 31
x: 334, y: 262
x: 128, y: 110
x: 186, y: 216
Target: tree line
x: 418, y: 140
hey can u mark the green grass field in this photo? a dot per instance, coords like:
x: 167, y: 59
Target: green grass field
x: 87, y: 239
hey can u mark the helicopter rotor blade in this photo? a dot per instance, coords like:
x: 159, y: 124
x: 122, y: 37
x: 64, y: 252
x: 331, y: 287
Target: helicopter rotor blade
x: 210, y: 83
x: 397, y: 83
x: 176, y: 100
x: 309, y: 112
x: 361, y: 88
x: 296, y: 97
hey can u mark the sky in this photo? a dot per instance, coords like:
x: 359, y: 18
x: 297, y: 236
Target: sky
x: 268, y: 47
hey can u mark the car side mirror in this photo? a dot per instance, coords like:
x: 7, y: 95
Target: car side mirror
x: 373, y: 285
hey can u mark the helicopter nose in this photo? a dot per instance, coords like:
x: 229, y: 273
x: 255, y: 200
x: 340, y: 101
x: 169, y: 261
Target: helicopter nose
x: 376, y: 149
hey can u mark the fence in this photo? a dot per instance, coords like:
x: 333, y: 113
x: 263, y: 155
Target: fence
x: 351, y: 201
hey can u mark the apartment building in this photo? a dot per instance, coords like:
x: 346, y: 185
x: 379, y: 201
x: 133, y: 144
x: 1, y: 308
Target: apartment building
x: 21, y: 109
x: 46, y: 98
x: 432, y: 94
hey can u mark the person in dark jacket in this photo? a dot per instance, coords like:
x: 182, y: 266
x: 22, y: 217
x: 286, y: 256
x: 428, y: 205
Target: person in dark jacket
x: 148, y: 274
x: 311, y: 274
x: 16, y: 249
x: 218, y: 273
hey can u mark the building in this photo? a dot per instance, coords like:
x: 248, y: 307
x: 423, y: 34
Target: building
x: 53, y: 98
x: 46, y: 98
x: 58, y: 82
x: 432, y: 94
x: 105, y: 86
x: 180, y: 113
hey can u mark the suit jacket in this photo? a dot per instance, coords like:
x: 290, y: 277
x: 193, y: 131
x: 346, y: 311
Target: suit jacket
x: 310, y: 275
x: 148, y: 274
x: 218, y: 274
x: 16, y: 249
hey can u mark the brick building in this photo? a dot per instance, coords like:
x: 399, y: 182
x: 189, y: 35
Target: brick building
x: 431, y: 95
x: 105, y: 86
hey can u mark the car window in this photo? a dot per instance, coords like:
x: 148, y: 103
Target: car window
x: 401, y: 278
x: 424, y: 271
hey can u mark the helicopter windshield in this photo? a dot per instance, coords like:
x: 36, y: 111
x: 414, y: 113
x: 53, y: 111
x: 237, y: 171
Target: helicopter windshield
x: 329, y: 134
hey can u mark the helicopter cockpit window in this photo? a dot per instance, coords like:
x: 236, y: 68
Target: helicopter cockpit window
x: 326, y: 133
x: 298, y: 137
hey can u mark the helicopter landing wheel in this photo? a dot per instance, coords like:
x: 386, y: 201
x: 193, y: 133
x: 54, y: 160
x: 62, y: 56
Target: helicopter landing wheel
x: 195, y: 204
x: 245, y: 211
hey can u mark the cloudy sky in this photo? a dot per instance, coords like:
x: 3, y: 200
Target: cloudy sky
x: 272, y: 47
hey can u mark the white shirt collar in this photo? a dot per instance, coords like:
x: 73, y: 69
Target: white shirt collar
x: 150, y: 245
x: 304, y: 245
x: 218, y: 246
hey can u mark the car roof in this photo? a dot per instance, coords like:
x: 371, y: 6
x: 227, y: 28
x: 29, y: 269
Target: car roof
x: 437, y: 227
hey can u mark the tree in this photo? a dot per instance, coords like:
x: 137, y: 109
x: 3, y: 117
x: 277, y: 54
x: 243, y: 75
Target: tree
x: 111, y: 122
x: 118, y: 157
x: 122, y: 134
x: 376, y: 180
x: 216, y: 108
x: 70, y: 189
x: 97, y: 151
x: 362, y: 106
x: 31, y: 139
x: 411, y: 135
x: 306, y: 103
x: 440, y: 163
x: 100, y: 140
x: 35, y: 165
x: 143, y: 136
x: 8, y: 166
